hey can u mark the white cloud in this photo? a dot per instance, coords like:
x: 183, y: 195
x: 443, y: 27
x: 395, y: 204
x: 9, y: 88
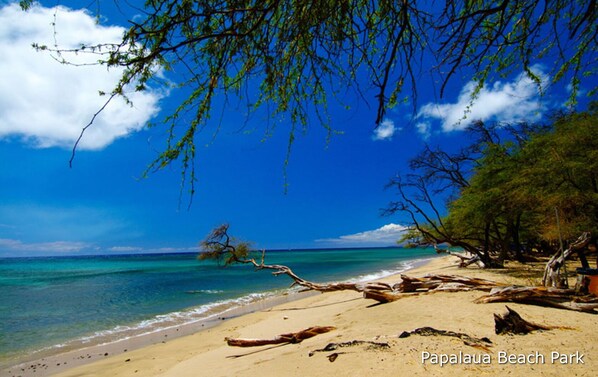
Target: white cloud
x: 385, y: 130
x: 124, y: 249
x: 18, y: 248
x: 46, y: 103
x: 46, y: 247
x: 159, y: 250
x: 386, y: 235
x: 424, y: 129
x: 514, y: 101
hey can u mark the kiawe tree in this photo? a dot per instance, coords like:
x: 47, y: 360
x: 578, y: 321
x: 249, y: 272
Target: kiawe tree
x: 291, y: 57
x: 501, y: 192
x: 566, y: 173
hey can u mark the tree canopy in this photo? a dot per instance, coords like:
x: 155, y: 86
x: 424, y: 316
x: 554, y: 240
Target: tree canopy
x: 515, y: 188
x: 291, y: 57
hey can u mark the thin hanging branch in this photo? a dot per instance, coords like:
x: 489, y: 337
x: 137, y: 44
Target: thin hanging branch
x: 93, y: 118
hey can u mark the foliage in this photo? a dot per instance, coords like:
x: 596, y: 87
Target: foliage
x: 219, y: 246
x: 290, y: 57
x: 503, y: 190
x: 566, y: 175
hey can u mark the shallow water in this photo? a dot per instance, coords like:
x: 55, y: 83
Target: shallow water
x: 54, y: 302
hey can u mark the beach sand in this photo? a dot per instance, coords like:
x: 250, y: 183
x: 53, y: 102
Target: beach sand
x: 205, y: 353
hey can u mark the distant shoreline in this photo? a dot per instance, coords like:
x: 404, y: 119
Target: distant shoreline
x: 278, y: 250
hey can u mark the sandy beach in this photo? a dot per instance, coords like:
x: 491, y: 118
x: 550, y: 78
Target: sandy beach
x: 568, y: 351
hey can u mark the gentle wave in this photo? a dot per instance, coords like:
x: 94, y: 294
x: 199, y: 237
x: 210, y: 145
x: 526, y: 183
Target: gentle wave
x: 205, y: 291
x: 162, y: 322
x: 402, y: 267
x: 201, y: 313
x: 210, y: 312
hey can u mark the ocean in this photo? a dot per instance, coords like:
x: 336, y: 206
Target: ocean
x: 52, y: 304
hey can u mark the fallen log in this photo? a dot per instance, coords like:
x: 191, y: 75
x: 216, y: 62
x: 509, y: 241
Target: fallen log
x: 465, y: 260
x: 443, y: 282
x: 543, y: 296
x: 221, y: 247
x: 296, y: 337
x: 482, y: 343
x: 384, y: 293
x: 381, y: 296
x: 512, y: 323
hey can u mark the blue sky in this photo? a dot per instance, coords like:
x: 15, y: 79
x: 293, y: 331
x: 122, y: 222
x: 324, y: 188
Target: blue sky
x: 101, y: 205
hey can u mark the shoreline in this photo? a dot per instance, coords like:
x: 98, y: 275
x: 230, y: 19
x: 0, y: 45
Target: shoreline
x: 56, y: 363
x: 46, y: 362
x: 565, y: 350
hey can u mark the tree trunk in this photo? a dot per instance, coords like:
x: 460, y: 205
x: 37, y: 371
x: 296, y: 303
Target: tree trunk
x: 517, y: 240
x: 552, y: 271
x: 503, y: 243
x: 486, y: 257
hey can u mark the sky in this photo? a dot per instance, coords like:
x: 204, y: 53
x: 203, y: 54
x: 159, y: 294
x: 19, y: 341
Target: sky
x: 103, y: 205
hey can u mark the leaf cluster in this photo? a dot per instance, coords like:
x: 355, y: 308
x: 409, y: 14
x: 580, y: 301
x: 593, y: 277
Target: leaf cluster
x: 517, y: 180
x: 291, y: 57
x: 219, y: 246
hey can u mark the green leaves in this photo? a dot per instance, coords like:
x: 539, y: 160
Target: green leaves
x: 221, y: 247
x: 554, y: 168
x: 502, y: 191
x: 291, y: 57
x: 25, y: 4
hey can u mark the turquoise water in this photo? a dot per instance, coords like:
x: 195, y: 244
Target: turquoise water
x: 48, y: 302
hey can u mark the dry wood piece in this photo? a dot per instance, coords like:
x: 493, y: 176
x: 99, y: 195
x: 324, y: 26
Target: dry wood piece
x: 377, y: 286
x: 443, y: 283
x: 465, y: 260
x: 384, y: 293
x: 543, y: 296
x: 552, y: 271
x: 512, y: 323
x: 468, y: 340
x: 334, y: 346
x: 381, y: 296
x: 296, y: 337
x: 332, y: 357
x: 381, y: 292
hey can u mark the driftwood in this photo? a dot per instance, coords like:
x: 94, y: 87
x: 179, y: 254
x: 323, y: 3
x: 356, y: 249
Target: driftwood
x: 296, y: 337
x: 220, y: 246
x: 543, y: 296
x: 465, y: 260
x: 483, y: 343
x: 335, y: 346
x: 552, y: 272
x: 512, y: 323
x: 383, y: 292
x: 381, y: 296
x: 443, y: 283
x: 426, y: 284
